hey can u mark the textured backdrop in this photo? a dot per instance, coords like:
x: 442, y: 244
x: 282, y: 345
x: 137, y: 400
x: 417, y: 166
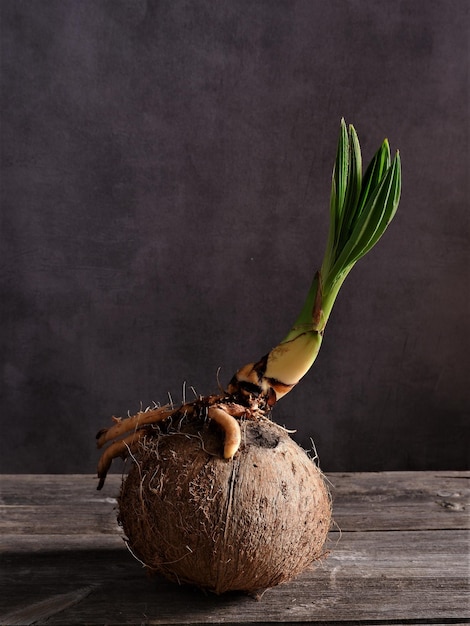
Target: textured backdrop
x: 165, y: 182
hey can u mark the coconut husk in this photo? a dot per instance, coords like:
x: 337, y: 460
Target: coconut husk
x: 247, y: 523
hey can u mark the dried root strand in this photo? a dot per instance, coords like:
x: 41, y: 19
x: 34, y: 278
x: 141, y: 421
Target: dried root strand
x: 133, y: 423
x: 118, y: 448
x: 122, y: 447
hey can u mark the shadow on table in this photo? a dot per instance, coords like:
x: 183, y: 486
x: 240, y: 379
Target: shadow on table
x: 81, y: 583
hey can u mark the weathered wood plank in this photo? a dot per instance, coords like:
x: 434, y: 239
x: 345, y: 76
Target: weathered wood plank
x: 67, y: 518
x: 51, y: 504
x: 46, y: 608
x: 352, y: 604
x: 382, y: 501
x: 47, y: 488
x: 402, y: 555
x: 401, y: 500
x: 349, y: 515
x: 400, y: 483
x: 368, y: 576
x: 20, y: 543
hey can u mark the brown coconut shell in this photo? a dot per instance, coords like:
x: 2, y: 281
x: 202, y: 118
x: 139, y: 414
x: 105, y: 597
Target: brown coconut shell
x: 248, y: 523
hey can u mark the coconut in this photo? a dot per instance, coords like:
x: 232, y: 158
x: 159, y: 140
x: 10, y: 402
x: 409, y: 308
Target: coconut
x: 246, y: 524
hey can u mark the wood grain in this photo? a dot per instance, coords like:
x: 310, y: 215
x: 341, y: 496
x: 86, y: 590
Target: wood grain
x: 401, y: 557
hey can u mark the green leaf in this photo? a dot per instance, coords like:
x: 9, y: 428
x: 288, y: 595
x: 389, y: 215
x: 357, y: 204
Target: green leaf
x: 338, y: 192
x: 370, y: 224
x: 378, y: 212
x: 340, y: 172
x: 374, y: 173
x: 361, y: 207
x: 353, y: 190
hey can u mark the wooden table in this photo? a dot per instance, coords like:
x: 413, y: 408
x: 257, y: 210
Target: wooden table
x: 401, y: 557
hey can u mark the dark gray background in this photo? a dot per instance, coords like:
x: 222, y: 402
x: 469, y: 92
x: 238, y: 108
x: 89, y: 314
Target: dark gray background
x: 166, y: 174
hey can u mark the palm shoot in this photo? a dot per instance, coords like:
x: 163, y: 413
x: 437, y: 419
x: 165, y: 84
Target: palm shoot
x: 361, y: 208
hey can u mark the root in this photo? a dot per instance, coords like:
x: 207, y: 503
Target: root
x: 231, y: 427
x: 120, y: 448
x: 122, y: 426
x: 220, y: 409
